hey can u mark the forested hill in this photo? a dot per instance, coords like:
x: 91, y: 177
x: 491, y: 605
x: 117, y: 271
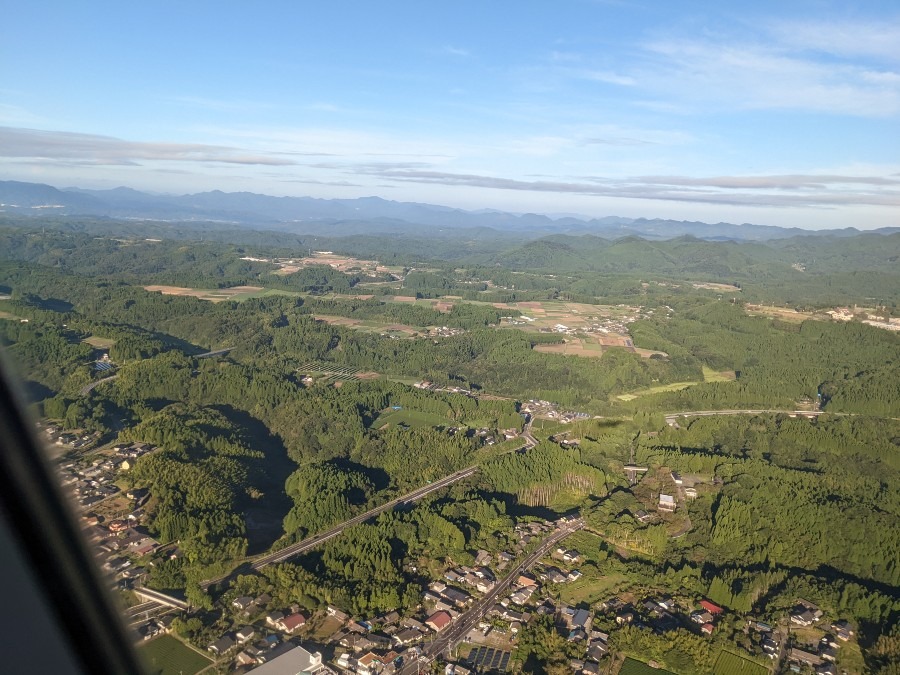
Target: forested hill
x: 818, y: 253
x: 348, y: 217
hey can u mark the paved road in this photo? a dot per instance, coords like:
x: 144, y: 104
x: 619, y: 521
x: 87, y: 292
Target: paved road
x: 215, y: 353
x: 465, y: 622
x: 671, y: 417
x: 90, y: 387
x: 315, y: 540
x: 160, y: 598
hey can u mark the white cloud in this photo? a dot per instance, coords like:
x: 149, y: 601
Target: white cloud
x: 91, y: 149
x: 456, y: 51
x: 844, y: 38
x: 755, y: 76
x: 609, y: 78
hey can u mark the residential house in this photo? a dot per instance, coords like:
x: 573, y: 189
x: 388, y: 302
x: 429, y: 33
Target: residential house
x: 701, y: 617
x: 245, y: 633
x: 221, y: 646
x: 242, y: 603
x: 666, y: 503
x: 581, y: 619
x: 803, y: 616
x: 337, y: 614
x: 711, y: 607
x: 804, y: 657
x: 438, y: 621
x: 407, y: 636
x: 291, y: 623
x: 368, y: 663
x: 842, y: 629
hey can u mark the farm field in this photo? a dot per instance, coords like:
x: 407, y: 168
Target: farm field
x: 783, y: 313
x: 573, y: 347
x: 330, y: 373
x: 710, y: 286
x: 709, y: 375
x: 732, y: 664
x: 214, y: 294
x: 167, y: 655
x: 634, y: 667
x: 660, y: 389
x: 369, y: 326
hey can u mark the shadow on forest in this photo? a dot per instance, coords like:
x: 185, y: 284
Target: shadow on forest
x: 264, y: 516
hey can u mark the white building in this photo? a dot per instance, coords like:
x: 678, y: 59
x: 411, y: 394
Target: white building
x: 296, y: 661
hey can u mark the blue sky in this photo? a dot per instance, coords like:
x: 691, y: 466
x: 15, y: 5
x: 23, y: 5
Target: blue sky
x: 766, y: 112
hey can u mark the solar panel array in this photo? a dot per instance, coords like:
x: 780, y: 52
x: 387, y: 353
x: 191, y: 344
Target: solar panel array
x: 104, y: 365
x: 486, y: 659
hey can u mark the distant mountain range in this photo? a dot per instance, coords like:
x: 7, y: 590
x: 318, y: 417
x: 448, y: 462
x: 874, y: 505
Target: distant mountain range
x: 363, y: 216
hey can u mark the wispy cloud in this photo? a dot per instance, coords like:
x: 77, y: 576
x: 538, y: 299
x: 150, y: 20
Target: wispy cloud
x: 708, y: 74
x: 845, y: 38
x: 609, y: 77
x: 90, y: 149
x: 219, y: 104
x: 782, y: 191
x: 617, y: 141
x: 456, y: 51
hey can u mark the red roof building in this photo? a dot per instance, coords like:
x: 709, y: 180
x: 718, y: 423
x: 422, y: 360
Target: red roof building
x: 292, y: 622
x: 438, y: 621
x: 707, y: 628
x: 711, y: 607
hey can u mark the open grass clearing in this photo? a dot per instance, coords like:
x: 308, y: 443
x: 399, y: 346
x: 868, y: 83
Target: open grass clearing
x: 590, y: 590
x: 659, y: 389
x: 211, y: 294
x: 729, y: 663
x: 167, y: 655
x: 99, y: 342
x: 710, y: 375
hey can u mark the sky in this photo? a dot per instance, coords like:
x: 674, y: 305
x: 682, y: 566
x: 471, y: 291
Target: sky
x: 765, y: 112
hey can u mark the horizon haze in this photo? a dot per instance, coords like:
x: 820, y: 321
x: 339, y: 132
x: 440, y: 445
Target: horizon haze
x: 764, y: 114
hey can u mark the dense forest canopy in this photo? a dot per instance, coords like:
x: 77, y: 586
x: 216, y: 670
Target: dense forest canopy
x: 320, y: 396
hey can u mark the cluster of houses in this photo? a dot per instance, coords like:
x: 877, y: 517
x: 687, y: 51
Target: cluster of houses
x: 266, y: 645
x: 541, y: 408
x: 89, y: 483
x: 442, y: 331
x: 93, y: 482
x: 122, y: 542
x: 821, y: 656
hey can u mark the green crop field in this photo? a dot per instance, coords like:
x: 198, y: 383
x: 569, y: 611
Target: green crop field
x: 732, y: 664
x: 167, y: 655
x: 634, y: 667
